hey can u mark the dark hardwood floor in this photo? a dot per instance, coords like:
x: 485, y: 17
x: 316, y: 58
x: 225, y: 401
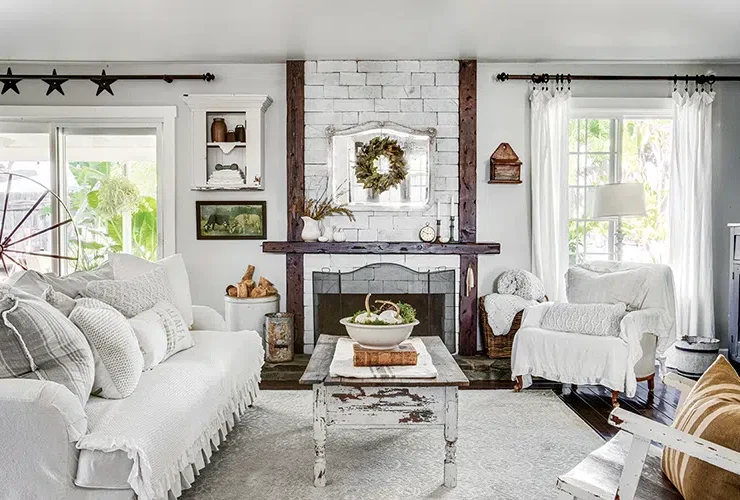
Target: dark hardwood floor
x: 593, y: 404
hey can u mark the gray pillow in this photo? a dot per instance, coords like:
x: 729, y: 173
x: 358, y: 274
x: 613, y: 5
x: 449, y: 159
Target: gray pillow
x: 588, y: 319
x: 135, y: 295
x: 71, y: 285
x: 38, y: 342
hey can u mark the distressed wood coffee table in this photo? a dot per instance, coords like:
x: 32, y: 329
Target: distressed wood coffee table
x: 384, y: 403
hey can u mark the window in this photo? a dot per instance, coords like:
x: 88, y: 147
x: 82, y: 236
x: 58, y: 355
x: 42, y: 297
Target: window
x: 108, y: 173
x: 607, y: 145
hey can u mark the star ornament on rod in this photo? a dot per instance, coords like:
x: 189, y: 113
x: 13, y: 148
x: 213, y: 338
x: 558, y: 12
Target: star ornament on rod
x: 103, y: 82
x: 10, y: 83
x: 54, y: 83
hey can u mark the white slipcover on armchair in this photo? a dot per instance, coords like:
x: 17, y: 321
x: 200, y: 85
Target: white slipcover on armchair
x: 616, y: 362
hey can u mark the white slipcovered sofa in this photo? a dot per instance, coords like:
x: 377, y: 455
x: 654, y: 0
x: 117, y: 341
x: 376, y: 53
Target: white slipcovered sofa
x: 616, y: 362
x: 149, y: 445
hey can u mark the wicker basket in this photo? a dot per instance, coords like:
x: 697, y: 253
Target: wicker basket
x: 498, y: 346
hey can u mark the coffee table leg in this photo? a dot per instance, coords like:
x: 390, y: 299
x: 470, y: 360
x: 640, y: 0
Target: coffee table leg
x: 319, y: 435
x: 450, y: 436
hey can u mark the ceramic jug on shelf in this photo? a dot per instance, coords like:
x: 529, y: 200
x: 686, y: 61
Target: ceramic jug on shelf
x: 311, y: 229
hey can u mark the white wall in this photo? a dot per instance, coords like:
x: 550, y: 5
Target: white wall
x: 503, y: 116
x: 211, y: 264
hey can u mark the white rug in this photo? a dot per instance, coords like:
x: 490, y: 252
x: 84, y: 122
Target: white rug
x: 510, y: 446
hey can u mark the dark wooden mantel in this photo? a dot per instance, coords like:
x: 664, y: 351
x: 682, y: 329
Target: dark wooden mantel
x: 468, y: 249
x: 381, y: 247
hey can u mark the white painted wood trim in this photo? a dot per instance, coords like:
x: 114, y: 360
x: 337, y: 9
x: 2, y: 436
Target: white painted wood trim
x: 581, y: 491
x: 621, y: 107
x: 702, y: 449
x: 319, y: 435
x: 632, y: 470
x: 679, y: 382
x: 71, y: 113
x: 450, y: 470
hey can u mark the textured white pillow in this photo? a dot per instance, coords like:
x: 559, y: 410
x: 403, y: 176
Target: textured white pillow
x: 126, y: 266
x: 584, y: 286
x: 161, y: 332
x: 135, y: 295
x: 118, y: 360
x: 590, y: 319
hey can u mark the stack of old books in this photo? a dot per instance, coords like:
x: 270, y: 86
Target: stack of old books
x: 403, y: 355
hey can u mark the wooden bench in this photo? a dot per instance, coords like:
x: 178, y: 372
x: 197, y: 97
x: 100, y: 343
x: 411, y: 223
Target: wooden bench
x: 603, y: 475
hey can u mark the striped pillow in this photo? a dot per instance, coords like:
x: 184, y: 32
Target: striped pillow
x: 38, y: 342
x: 711, y: 411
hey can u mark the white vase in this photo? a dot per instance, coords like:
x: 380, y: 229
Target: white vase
x: 329, y: 233
x: 311, y: 229
x: 339, y: 236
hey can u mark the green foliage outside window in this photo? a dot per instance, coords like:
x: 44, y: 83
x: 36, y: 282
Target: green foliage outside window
x: 104, y: 199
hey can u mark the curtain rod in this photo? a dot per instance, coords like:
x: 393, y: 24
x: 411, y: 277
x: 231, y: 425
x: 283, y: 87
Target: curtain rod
x: 562, y: 77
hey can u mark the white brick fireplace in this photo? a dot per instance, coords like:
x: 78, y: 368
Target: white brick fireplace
x: 413, y: 93
x: 417, y: 94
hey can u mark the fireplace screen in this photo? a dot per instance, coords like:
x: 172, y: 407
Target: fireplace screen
x: 337, y: 295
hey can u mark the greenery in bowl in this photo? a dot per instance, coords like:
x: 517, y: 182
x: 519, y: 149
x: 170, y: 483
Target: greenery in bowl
x: 386, y: 314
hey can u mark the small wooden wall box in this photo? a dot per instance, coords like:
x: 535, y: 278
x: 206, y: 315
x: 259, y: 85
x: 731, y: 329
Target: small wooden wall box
x: 505, y: 166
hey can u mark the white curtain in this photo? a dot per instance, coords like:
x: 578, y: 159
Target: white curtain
x: 549, y: 143
x: 690, y: 213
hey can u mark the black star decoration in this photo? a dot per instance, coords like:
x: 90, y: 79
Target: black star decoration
x: 103, y: 82
x: 54, y: 84
x: 10, y: 83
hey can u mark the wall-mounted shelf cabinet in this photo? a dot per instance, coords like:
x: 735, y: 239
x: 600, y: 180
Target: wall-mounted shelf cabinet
x: 228, y: 166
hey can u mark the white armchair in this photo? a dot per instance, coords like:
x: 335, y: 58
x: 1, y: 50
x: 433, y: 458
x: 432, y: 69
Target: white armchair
x: 617, y: 363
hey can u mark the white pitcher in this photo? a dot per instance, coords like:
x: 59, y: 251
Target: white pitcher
x: 311, y: 229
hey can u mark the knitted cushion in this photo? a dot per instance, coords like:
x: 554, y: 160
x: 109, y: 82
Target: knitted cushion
x: 161, y: 332
x: 589, y: 319
x: 118, y: 360
x: 39, y: 342
x: 135, y: 295
x: 127, y: 266
x: 711, y: 411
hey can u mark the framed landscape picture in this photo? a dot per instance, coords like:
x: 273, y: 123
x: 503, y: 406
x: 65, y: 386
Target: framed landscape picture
x: 231, y: 220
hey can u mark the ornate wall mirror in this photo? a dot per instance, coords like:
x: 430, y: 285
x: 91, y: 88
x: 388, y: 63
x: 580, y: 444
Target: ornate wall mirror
x: 371, y: 154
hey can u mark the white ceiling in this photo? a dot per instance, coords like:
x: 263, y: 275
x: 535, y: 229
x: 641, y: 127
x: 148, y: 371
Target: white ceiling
x: 275, y: 30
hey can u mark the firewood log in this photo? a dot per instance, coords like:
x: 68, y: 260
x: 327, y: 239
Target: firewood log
x: 242, y: 291
x: 231, y: 291
x: 258, y: 292
x: 249, y: 274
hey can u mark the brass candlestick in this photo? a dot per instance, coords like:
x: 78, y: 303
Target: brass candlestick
x: 439, y: 231
x: 452, y: 229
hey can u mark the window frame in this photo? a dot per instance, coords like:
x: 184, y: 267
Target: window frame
x: 616, y: 109
x: 161, y: 118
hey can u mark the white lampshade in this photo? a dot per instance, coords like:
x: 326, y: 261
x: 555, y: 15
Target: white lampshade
x: 619, y: 200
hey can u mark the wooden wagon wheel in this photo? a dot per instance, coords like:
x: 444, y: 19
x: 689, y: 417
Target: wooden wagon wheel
x: 17, y: 238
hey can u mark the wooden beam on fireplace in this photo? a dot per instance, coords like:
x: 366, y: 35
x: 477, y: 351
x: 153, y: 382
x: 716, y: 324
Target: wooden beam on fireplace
x: 295, y: 146
x: 467, y: 162
x: 380, y: 247
x: 467, y: 155
x: 295, y: 77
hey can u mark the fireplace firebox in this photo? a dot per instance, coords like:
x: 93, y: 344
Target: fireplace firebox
x: 432, y: 293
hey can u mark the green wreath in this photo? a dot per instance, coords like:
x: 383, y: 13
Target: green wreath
x: 367, y: 172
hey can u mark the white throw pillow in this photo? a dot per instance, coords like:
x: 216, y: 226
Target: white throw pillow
x: 584, y: 286
x: 127, y: 266
x: 161, y: 332
x: 118, y: 360
x: 135, y: 295
x: 589, y: 319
